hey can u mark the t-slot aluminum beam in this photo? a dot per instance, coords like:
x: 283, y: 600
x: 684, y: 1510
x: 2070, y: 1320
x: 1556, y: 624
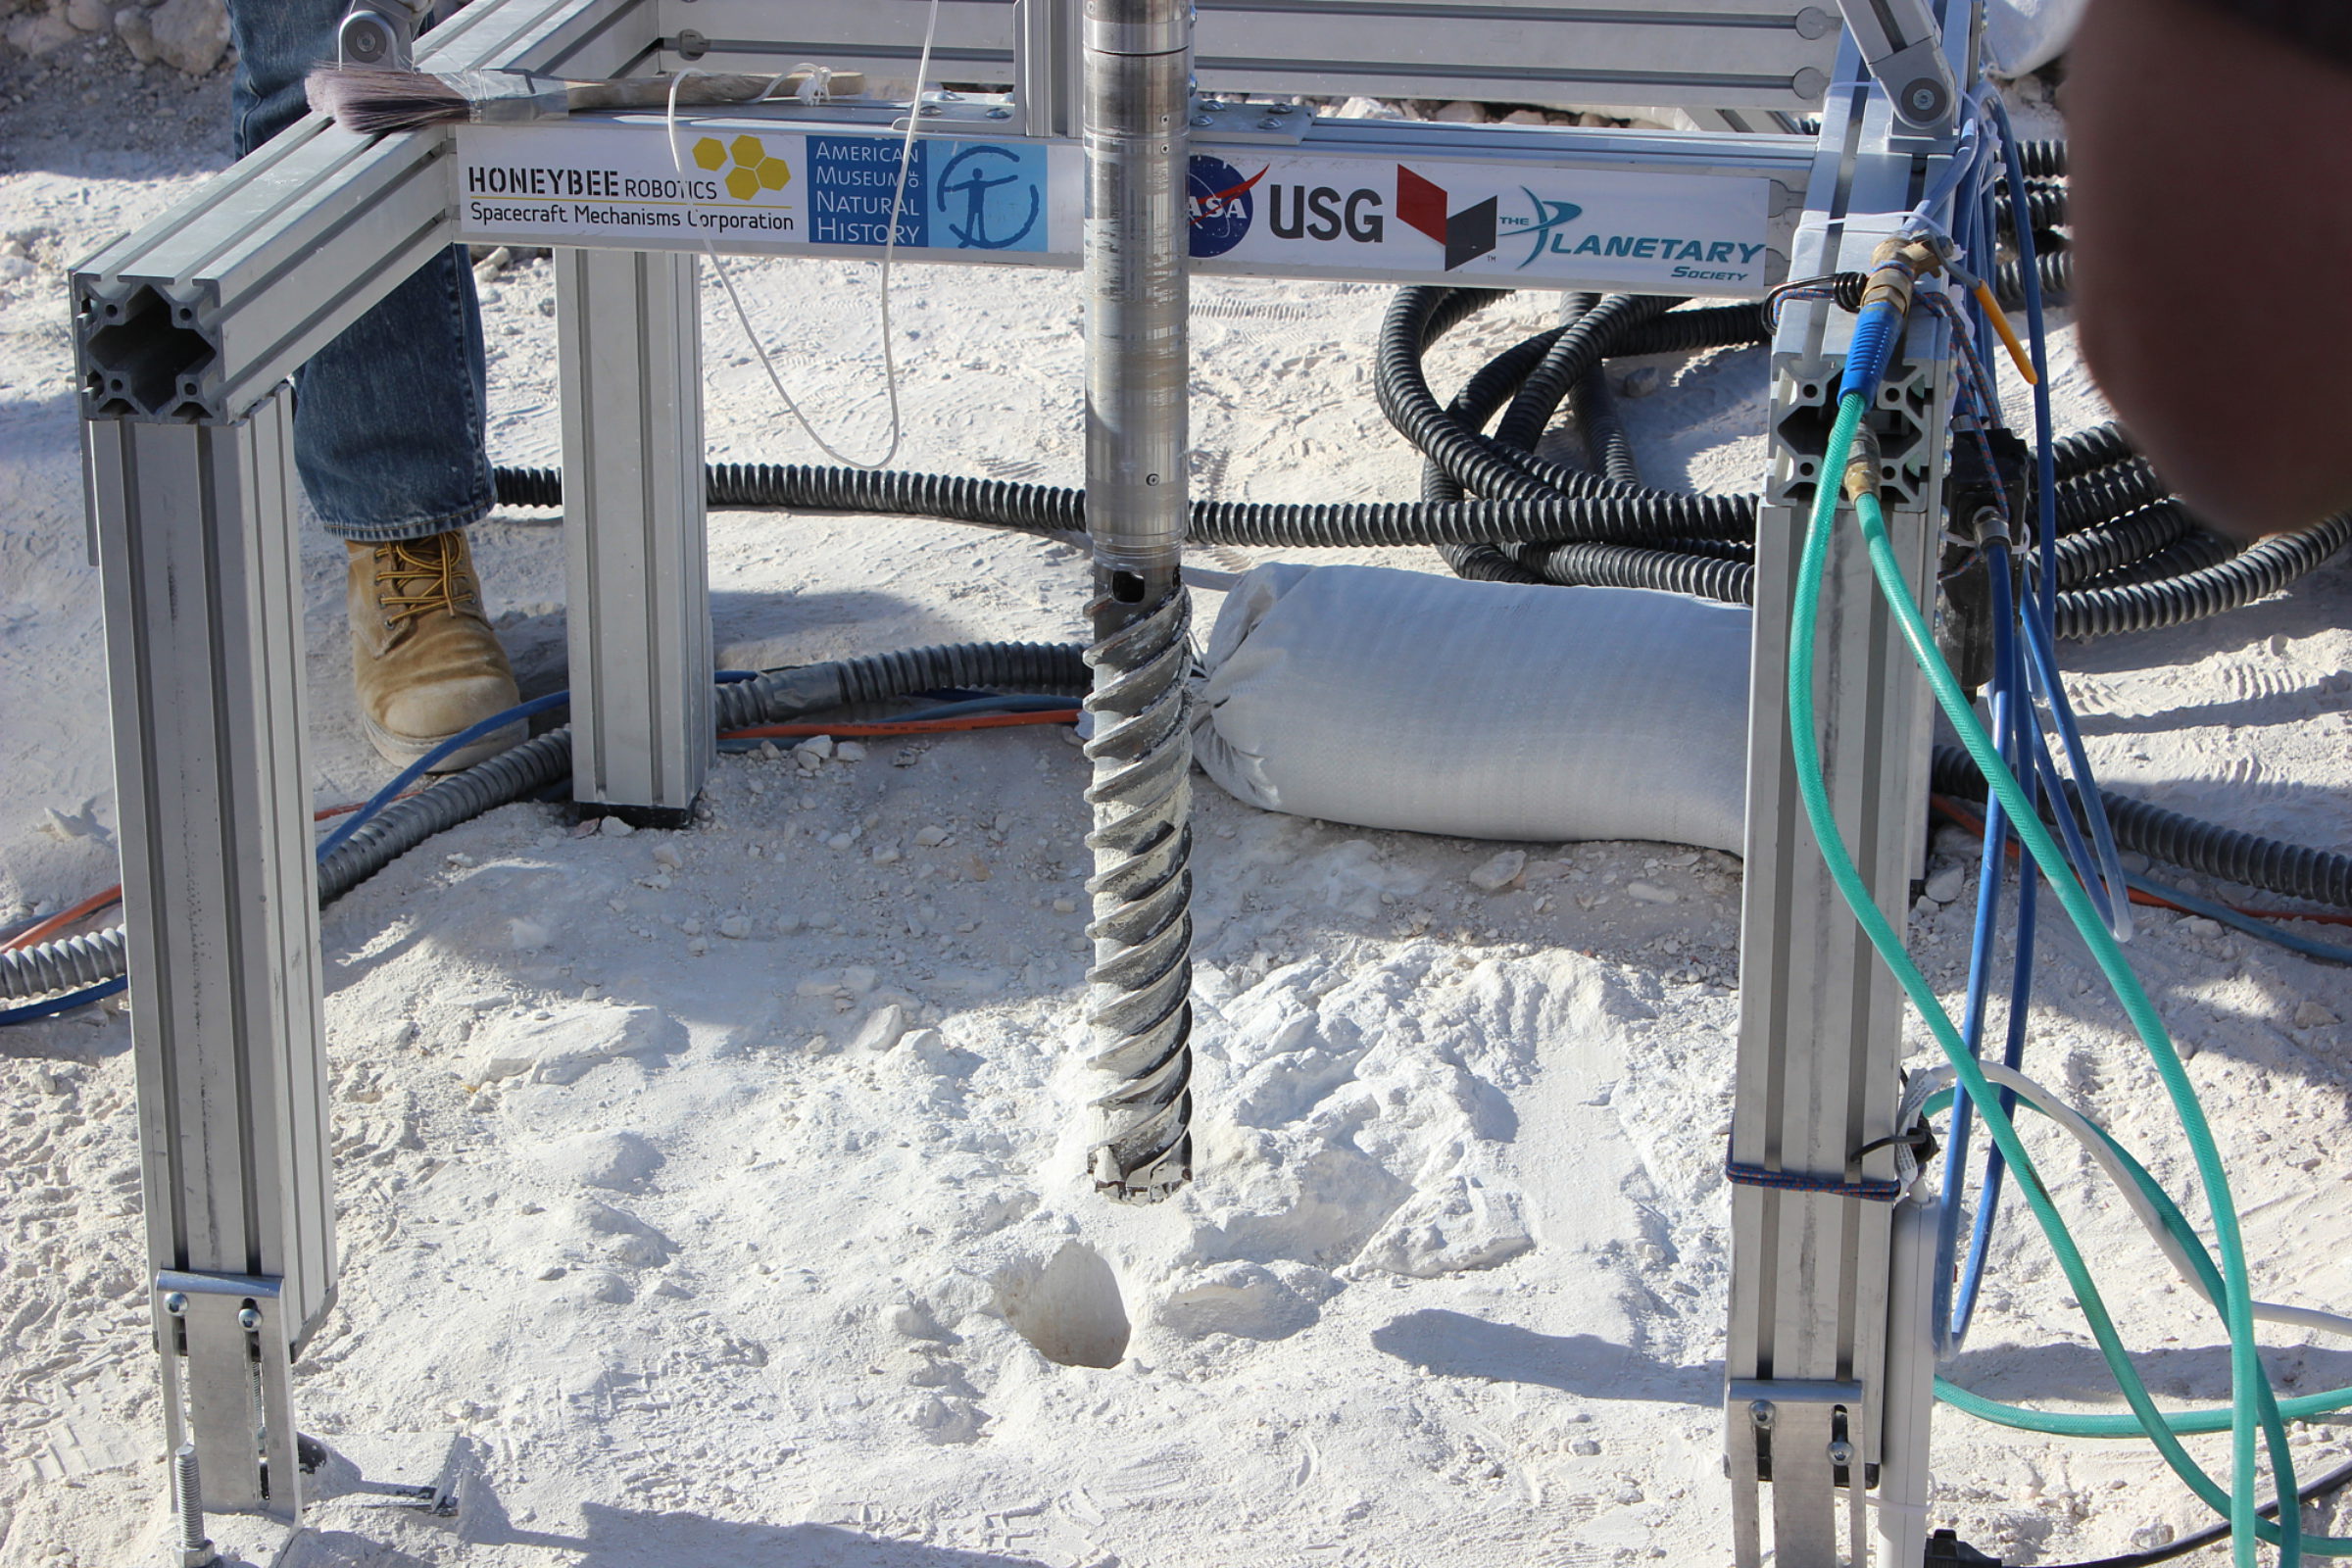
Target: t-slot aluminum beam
x: 628, y: 331
x: 1820, y: 1019
x: 1759, y: 55
x: 220, y: 904
x: 201, y: 313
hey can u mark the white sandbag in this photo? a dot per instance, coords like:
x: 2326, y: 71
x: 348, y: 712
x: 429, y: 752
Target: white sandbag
x: 2022, y: 35
x: 1407, y: 700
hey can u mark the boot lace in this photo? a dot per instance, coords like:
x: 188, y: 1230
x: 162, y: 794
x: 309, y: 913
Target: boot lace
x: 414, y: 577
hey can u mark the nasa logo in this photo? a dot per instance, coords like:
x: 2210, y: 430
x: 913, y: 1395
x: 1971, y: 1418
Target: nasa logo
x: 1221, y: 205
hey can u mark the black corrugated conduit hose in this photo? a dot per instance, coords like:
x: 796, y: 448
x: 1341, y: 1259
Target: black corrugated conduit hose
x: 2291, y: 870
x: 73, y: 963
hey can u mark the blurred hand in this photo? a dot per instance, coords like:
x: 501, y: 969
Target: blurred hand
x: 2211, y: 199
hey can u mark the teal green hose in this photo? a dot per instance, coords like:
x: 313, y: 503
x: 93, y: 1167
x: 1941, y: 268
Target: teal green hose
x: 2181, y: 1422
x: 2247, y: 1371
x: 2248, y: 1381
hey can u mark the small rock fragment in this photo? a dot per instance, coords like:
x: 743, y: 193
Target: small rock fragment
x: 735, y: 928
x: 190, y: 35
x: 849, y: 752
x: 932, y: 837
x: 1944, y: 884
x: 1503, y: 869
x: 1651, y: 893
x: 2313, y: 1016
x: 883, y: 1028
x: 612, y: 827
x: 667, y: 854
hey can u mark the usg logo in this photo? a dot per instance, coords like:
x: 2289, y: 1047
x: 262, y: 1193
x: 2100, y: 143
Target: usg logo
x: 1221, y: 207
x: 753, y: 172
x: 1324, y: 212
x: 1466, y: 235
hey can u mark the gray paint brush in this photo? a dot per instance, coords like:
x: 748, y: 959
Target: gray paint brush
x: 373, y: 101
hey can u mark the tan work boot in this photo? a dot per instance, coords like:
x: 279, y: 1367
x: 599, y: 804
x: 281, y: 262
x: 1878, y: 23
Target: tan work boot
x: 425, y: 661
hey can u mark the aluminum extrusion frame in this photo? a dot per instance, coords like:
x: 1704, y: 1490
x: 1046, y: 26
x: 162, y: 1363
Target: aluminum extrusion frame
x: 628, y: 348
x: 220, y: 904
x: 1820, y: 1017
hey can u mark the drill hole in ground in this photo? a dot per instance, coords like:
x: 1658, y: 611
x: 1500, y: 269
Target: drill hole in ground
x: 1070, y: 1310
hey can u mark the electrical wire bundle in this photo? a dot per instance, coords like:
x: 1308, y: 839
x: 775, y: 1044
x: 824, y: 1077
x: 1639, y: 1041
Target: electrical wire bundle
x: 2010, y: 748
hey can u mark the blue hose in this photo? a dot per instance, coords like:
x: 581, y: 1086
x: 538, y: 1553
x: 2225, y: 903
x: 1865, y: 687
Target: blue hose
x: 425, y: 764
x: 51, y: 1007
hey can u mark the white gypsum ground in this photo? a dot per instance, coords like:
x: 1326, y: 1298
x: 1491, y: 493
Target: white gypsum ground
x: 672, y: 1270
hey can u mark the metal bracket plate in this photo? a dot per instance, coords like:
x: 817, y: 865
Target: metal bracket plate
x: 237, y: 1389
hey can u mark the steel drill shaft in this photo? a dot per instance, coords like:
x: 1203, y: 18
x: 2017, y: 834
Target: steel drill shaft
x: 1138, y: 68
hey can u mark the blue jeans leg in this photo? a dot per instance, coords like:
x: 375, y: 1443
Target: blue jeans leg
x: 389, y: 431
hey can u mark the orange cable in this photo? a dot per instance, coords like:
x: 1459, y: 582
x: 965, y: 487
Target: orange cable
x: 99, y: 901
x: 910, y: 726
x: 2001, y: 323
x: 1976, y: 825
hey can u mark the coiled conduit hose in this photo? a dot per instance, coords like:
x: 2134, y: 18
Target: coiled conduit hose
x: 2208, y: 848
x: 72, y: 964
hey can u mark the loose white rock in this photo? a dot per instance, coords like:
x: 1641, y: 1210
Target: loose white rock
x: 1651, y: 893
x: 130, y: 25
x: 567, y: 1039
x: 849, y: 752
x: 190, y: 35
x: 884, y: 1027
x: 2314, y: 1015
x: 735, y: 928
x: 667, y: 854
x: 612, y: 827
x: 932, y: 837
x: 1944, y: 884
x: 1501, y: 871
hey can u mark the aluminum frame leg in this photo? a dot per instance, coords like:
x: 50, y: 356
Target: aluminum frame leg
x: 628, y: 326
x: 1812, y: 1284
x: 195, y: 528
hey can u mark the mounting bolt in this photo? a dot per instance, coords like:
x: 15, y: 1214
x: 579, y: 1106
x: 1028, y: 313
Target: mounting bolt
x: 999, y: 112
x: 250, y: 1319
x: 195, y: 1548
x: 1925, y: 98
x: 175, y: 1304
x: 1205, y: 120
x: 1269, y: 124
x: 1759, y: 1414
x: 1285, y: 108
x: 930, y: 109
x: 1842, y: 1452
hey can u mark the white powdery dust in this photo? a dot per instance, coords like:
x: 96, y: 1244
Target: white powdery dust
x: 718, y: 1196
